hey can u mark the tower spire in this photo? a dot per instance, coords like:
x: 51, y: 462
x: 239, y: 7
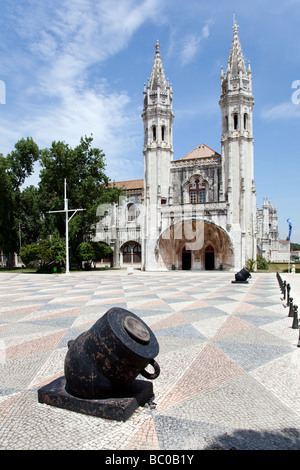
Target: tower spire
x: 236, y: 61
x: 158, y: 154
x: 157, y: 78
x: 236, y: 105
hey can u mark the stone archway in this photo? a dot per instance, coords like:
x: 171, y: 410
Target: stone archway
x: 209, y: 246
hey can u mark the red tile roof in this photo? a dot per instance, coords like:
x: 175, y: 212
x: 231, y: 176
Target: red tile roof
x: 201, y: 152
x: 127, y: 185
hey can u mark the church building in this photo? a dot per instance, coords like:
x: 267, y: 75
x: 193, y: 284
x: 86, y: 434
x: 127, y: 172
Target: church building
x: 198, y: 212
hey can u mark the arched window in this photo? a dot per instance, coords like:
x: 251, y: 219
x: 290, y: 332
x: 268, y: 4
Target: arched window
x: 197, y: 193
x: 245, y: 121
x: 235, y: 121
x: 132, y: 253
x: 154, y: 133
x: 131, y: 212
x: 163, y: 133
x: 127, y: 254
x: 137, y: 254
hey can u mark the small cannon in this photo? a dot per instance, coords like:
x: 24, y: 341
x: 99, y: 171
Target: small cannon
x: 242, y: 276
x: 101, y: 368
x: 105, y: 360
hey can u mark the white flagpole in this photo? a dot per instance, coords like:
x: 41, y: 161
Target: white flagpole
x: 67, y: 229
x: 67, y: 223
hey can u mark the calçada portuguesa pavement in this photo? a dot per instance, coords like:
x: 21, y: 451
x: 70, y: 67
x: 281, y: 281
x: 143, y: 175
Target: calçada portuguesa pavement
x: 229, y: 360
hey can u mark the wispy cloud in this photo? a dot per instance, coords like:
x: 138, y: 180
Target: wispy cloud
x: 192, y: 44
x: 64, y: 41
x: 283, y: 111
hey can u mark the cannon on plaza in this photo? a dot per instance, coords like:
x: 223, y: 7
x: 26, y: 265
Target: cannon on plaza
x: 102, y: 366
x: 242, y: 276
x: 104, y: 361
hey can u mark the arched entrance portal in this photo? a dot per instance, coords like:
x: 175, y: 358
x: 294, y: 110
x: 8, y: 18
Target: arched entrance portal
x: 209, y: 258
x: 186, y: 259
x: 210, y: 248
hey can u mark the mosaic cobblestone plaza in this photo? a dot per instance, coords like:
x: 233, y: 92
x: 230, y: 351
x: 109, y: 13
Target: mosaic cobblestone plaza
x: 228, y: 356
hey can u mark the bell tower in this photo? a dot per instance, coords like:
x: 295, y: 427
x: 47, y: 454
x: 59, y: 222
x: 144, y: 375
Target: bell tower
x: 158, y: 153
x: 236, y: 105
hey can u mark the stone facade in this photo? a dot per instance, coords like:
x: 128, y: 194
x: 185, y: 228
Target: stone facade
x: 269, y: 245
x: 198, y: 212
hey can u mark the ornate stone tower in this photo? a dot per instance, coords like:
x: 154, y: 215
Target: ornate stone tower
x: 158, y: 154
x: 236, y: 105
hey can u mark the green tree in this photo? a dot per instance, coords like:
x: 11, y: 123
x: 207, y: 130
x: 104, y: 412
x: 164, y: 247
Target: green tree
x: 14, y: 169
x: 295, y: 246
x: 93, y: 252
x: 8, y: 232
x: 45, y: 252
x: 30, y: 215
x: 87, y: 187
x: 21, y: 161
x: 30, y: 254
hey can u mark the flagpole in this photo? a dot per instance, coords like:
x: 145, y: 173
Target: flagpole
x: 290, y: 232
x: 66, y: 211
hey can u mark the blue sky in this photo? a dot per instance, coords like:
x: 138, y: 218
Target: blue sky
x: 71, y: 68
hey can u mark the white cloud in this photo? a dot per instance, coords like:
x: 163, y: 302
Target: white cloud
x: 61, y: 100
x: 283, y: 111
x: 192, y: 43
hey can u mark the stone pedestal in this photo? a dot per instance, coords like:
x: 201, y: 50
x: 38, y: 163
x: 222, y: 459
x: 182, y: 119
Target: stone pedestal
x: 119, y: 408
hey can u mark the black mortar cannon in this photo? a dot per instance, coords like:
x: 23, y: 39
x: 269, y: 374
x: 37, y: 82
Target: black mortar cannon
x: 242, y: 276
x: 101, y: 367
x: 106, y: 359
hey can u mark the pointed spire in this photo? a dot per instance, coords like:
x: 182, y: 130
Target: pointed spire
x: 157, y: 78
x: 236, y: 62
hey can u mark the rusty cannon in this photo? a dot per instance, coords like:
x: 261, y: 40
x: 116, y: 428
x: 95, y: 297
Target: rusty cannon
x: 107, y: 358
x: 102, y: 366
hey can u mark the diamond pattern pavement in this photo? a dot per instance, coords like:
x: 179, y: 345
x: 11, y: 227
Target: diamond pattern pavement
x: 230, y: 365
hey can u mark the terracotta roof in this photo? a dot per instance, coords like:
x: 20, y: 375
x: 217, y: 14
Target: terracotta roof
x: 127, y: 185
x: 201, y: 152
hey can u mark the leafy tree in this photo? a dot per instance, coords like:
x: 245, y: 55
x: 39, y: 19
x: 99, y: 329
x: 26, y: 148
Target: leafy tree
x: 102, y: 251
x: 14, y: 169
x: 30, y: 215
x: 58, y: 247
x: 8, y: 234
x: 21, y: 161
x: 93, y: 252
x: 45, y: 252
x: 295, y: 246
x: 29, y: 253
x: 87, y: 187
